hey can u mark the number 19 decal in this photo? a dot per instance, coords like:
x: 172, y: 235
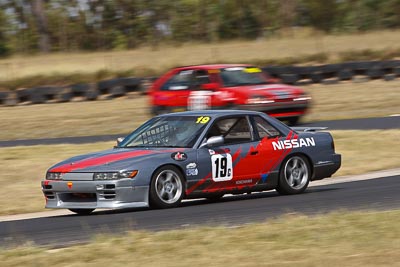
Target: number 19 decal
x: 222, y: 167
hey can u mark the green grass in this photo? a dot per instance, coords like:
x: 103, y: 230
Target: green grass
x: 337, y: 239
x: 24, y: 167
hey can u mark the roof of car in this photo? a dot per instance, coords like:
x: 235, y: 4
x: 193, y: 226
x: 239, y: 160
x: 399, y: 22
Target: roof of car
x: 213, y: 66
x: 214, y: 113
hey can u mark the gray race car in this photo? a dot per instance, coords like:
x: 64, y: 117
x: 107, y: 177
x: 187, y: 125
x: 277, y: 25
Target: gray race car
x: 193, y: 155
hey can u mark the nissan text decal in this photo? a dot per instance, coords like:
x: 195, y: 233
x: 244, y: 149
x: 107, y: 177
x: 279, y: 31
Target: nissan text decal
x: 294, y: 143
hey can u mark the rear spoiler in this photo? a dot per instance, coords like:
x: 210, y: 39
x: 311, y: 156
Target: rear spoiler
x: 308, y: 129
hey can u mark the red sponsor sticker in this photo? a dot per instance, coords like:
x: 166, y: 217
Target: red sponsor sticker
x: 179, y: 156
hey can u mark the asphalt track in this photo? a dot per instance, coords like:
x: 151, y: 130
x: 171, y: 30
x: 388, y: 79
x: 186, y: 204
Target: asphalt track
x: 373, y: 194
x: 382, y: 123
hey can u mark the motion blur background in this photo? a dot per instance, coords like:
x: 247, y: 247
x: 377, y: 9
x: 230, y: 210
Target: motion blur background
x: 146, y: 37
x: 90, y: 25
x: 60, y: 42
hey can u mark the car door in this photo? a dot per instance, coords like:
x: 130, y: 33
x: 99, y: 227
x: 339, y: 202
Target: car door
x: 176, y: 90
x: 183, y: 91
x: 200, y: 98
x: 266, y: 158
x: 229, y: 166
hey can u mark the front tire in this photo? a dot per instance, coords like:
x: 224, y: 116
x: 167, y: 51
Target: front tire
x: 167, y: 188
x: 294, y: 175
x: 82, y: 211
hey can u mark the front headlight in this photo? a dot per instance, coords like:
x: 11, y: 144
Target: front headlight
x: 255, y: 99
x: 54, y: 176
x: 114, y: 175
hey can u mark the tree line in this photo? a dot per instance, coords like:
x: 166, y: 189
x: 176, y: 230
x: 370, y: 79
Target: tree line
x: 61, y: 25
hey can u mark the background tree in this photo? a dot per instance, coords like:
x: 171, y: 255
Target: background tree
x: 38, y: 11
x: 4, y: 50
x: 321, y: 14
x: 65, y: 25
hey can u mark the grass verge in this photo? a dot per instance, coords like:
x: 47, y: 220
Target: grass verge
x: 337, y: 239
x: 122, y: 115
x: 24, y: 167
x: 353, y: 100
x: 300, y: 47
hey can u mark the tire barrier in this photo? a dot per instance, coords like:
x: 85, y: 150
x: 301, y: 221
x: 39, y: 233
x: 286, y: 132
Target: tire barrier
x: 289, y: 78
x: 357, y: 71
x: 104, y: 87
x: 117, y: 91
x: 7, y: 99
x: 86, y: 91
x: 389, y: 77
x: 22, y: 95
x: 330, y: 73
x: 131, y: 84
x: 345, y: 74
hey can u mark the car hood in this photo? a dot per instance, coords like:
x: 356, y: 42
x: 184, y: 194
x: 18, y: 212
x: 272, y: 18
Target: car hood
x: 270, y: 90
x: 111, y: 160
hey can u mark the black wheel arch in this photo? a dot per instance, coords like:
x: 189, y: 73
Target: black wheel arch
x: 174, y: 165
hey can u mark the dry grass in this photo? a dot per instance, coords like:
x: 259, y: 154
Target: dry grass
x: 73, y: 119
x: 120, y: 116
x: 146, y: 60
x: 337, y: 239
x: 354, y: 100
x: 24, y: 167
x: 366, y: 151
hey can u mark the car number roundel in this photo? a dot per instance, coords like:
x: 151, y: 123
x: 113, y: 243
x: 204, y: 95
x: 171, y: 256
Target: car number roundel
x: 221, y: 167
x: 199, y: 100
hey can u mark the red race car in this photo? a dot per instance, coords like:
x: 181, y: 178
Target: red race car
x: 227, y: 86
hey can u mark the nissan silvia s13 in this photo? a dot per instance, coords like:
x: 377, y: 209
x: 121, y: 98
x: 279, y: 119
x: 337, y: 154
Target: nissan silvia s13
x: 193, y: 154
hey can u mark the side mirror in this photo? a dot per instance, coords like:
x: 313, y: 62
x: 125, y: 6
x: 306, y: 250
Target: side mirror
x: 119, y: 140
x: 209, y: 86
x: 213, y: 141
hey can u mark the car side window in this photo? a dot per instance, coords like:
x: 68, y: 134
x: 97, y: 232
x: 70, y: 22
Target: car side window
x: 234, y: 130
x: 186, y: 80
x: 264, y: 128
x: 180, y: 81
x: 200, y: 77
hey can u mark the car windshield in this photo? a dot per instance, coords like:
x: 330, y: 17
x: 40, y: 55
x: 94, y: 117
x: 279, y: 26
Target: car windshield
x: 236, y: 76
x: 169, y: 131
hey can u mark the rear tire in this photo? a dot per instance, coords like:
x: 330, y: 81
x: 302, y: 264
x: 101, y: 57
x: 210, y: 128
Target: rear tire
x: 167, y: 188
x: 82, y: 211
x: 294, y: 175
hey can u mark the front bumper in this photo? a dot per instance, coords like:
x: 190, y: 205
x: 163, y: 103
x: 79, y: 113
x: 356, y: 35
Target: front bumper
x: 94, y: 194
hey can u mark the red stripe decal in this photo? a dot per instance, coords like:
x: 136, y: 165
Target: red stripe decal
x: 90, y: 162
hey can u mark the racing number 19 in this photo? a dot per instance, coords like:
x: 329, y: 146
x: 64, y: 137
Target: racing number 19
x: 202, y: 119
x: 221, y: 167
